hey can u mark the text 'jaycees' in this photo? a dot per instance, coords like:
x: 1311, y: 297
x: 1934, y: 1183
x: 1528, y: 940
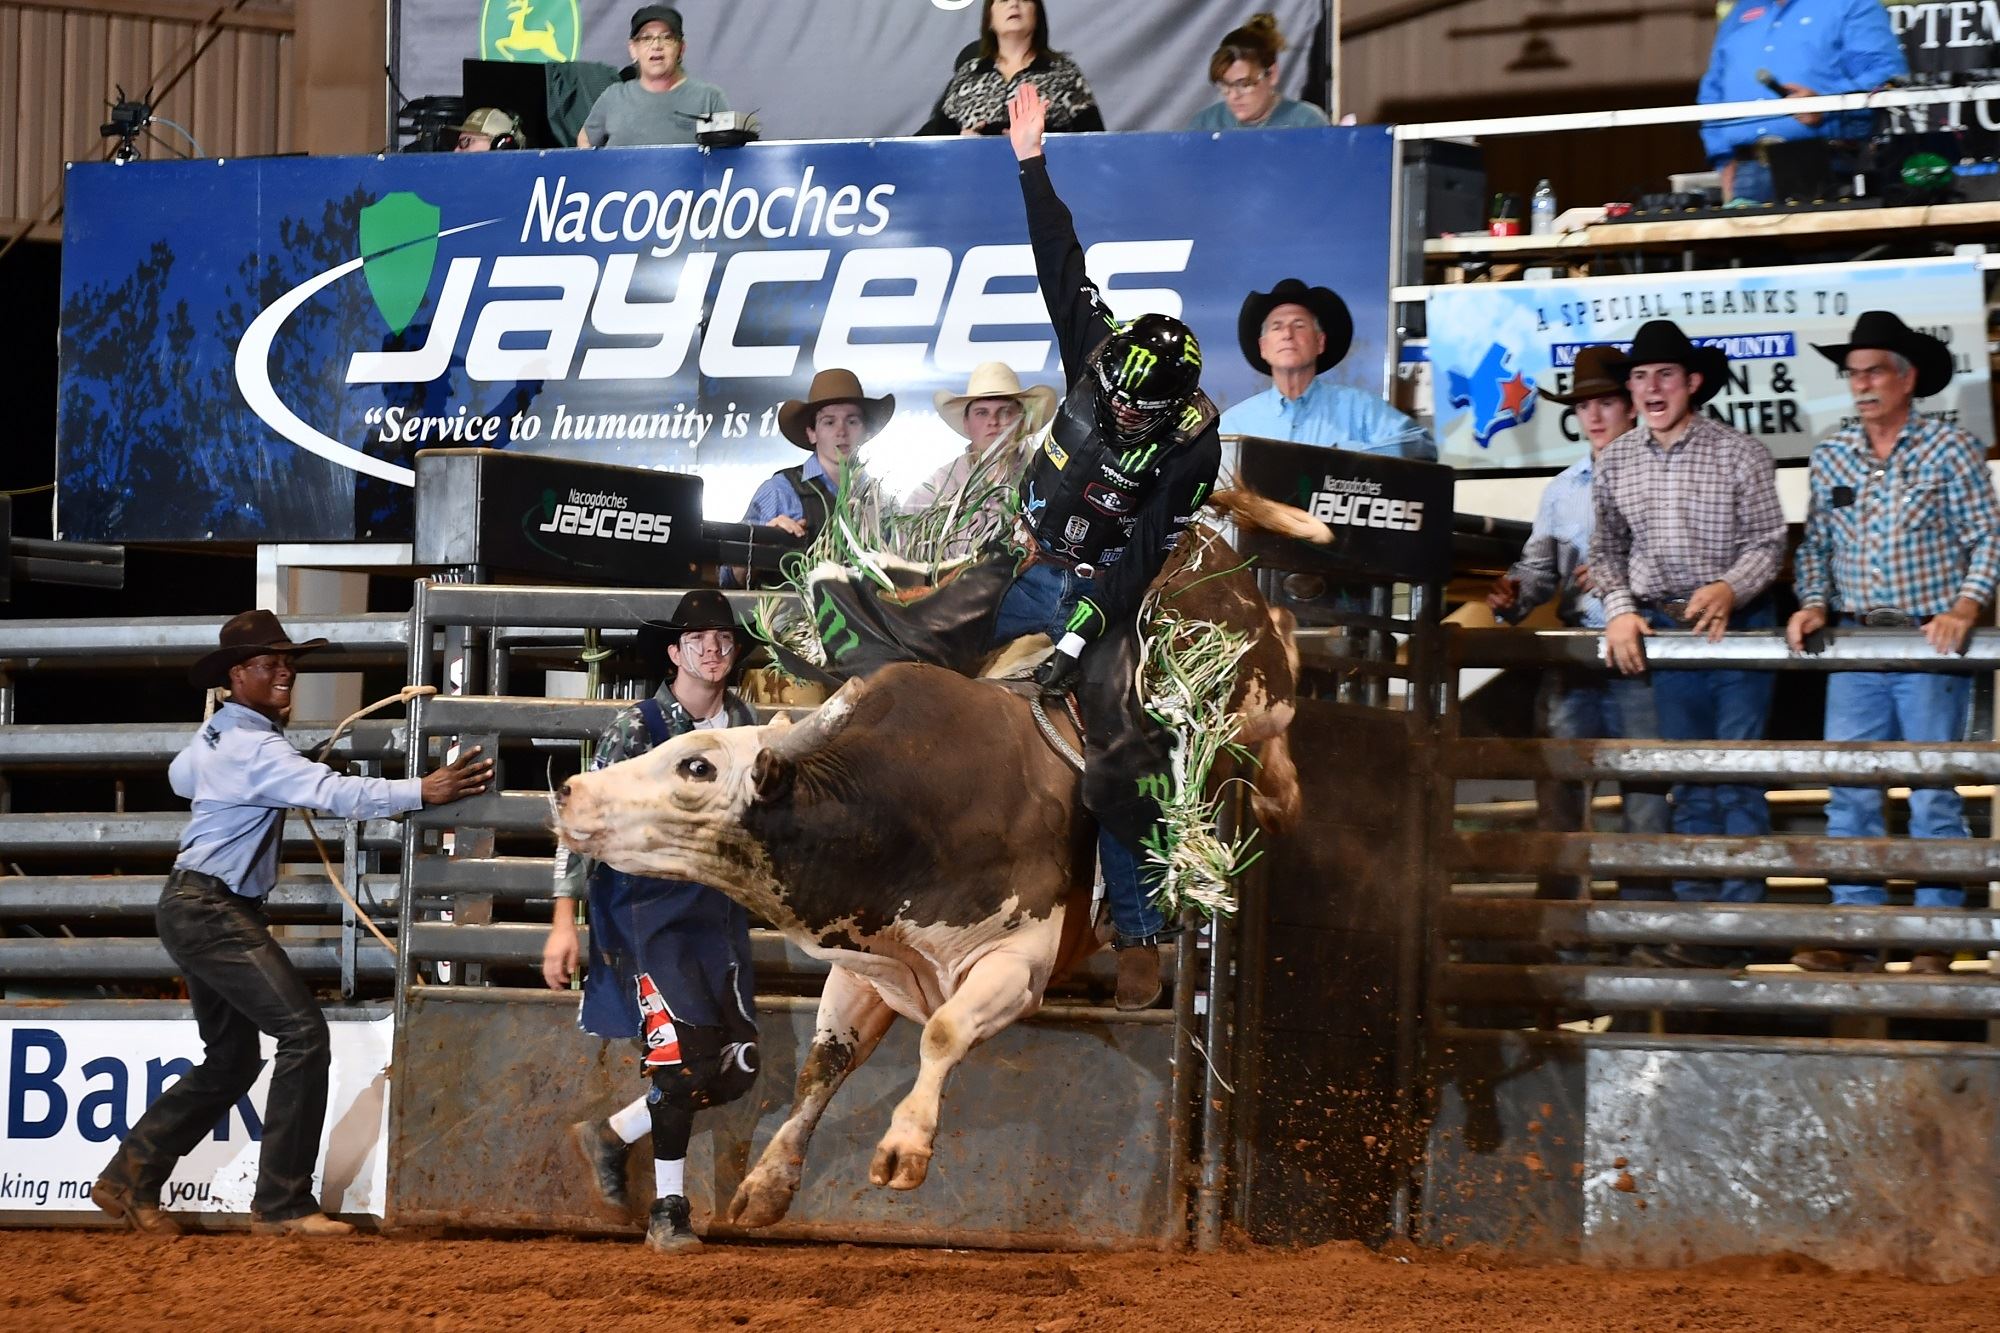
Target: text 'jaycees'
x: 609, y: 515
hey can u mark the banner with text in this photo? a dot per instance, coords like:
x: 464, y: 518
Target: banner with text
x: 1949, y: 43
x: 1492, y: 345
x: 254, y: 350
x: 72, y: 1090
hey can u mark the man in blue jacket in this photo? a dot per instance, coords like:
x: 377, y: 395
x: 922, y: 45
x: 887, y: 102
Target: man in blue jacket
x: 1811, y: 48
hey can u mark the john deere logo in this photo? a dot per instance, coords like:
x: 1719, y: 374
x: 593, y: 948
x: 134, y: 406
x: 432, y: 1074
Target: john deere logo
x: 1139, y: 363
x: 399, y: 241
x: 532, y: 30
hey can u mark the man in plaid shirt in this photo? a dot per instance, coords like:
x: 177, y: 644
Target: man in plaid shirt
x: 1689, y: 536
x: 1903, y: 530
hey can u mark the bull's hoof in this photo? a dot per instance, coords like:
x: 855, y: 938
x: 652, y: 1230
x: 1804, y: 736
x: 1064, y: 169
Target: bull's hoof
x: 900, y: 1168
x: 760, y: 1202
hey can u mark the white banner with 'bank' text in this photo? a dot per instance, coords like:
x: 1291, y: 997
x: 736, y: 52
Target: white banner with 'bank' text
x: 71, y: 1089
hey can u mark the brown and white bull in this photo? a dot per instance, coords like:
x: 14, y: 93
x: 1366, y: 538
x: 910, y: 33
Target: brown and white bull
x: 919, y: 834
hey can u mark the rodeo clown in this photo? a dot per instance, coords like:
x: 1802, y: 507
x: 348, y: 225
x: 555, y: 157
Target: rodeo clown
x: 670, y: 960
x: 1131, y: 455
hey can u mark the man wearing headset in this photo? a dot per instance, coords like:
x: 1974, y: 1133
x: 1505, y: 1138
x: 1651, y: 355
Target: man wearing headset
x: 489, y: 129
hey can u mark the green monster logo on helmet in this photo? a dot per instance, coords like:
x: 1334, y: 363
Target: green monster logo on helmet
x: 1138, y: 367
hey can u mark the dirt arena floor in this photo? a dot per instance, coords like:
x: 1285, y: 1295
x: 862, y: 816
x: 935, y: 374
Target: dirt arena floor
x: 77, y: 1280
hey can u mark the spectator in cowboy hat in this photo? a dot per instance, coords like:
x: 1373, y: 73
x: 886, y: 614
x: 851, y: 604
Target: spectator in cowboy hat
x: 1295, y: 334
x: 241, y: 776
x: 1578, y: 704
x: 993, y: 409
x: 1705, y: 560
x: 1902, y: 531
x: 677, y: 942
x: 832, y: 422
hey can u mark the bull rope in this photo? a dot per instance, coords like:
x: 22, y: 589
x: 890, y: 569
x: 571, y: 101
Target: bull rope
x: 1052, y: 736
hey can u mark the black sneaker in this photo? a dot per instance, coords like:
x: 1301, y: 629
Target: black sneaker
x: 603, y: 1154
x: 1712, y: 956
x: 667, y: 1226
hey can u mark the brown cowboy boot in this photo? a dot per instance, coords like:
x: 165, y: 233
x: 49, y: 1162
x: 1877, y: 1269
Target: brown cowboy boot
x: 1138, y: 976
x: 119, y: 1201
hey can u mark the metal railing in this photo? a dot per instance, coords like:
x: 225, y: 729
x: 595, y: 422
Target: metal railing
x: 1476, y: 984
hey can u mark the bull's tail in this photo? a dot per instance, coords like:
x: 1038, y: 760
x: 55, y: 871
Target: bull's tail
x: 1265, y: 515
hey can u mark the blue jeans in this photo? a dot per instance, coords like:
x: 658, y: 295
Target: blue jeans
x: 1717, y: 706
x: 1896, y: 706
x: 1588, y: 705
x: 1039, y: 601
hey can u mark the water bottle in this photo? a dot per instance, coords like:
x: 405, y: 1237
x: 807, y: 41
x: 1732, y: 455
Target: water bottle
x: 1542, y: 212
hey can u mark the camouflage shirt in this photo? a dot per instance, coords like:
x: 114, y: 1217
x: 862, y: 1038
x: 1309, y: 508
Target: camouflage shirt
x: 626, y: 738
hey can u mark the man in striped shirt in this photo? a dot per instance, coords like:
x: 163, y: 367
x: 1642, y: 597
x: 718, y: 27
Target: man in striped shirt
x: 1581, y: 704
x: 1903, y: 530
x: 1689, y: 536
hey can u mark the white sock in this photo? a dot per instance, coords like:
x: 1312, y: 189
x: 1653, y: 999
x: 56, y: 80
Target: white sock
x: 668, y: 1177
x: 633, y: 1123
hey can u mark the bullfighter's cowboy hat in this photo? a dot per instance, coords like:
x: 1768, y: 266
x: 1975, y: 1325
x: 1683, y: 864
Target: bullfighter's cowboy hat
x: 1661, y: 342
x: 1326, y: 307
x: 1880, y: 331
x: 995, y: 379
x: 251, y: 634
x: 702, y: 609
x: 832, y: 386
x: 1591, y: 377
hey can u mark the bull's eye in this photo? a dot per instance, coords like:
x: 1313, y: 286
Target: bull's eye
x: 697, y: 769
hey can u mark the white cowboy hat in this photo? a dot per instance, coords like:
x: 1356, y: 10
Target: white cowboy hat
x: 995, y: 379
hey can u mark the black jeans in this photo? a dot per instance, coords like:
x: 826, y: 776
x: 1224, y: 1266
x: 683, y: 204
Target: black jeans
x: 240, y: 983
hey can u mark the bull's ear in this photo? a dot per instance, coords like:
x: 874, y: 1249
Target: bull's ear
x: 771, y: 777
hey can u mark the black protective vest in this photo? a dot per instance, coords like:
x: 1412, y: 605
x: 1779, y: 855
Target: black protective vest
x: 1082, y: 491
x: 812, y: 498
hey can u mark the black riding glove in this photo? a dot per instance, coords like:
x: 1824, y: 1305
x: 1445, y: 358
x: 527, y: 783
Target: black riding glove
x: 1059, y: 674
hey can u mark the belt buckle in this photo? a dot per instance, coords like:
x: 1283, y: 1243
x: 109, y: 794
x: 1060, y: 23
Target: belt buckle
x: 1083, y: 569
x: 1674, y: 610
x: 1883, y: 618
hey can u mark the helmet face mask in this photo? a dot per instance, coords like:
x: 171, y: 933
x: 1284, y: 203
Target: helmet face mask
x: 1145, y: 372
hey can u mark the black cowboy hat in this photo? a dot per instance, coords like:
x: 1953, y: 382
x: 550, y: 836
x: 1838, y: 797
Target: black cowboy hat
x: 1326, y: 307
x: 251, y: 634
x: 704, y: 608
x: 1880, y: 331
x: 1661, y: 342
x: 1591, y: 377
x: 833, y: 386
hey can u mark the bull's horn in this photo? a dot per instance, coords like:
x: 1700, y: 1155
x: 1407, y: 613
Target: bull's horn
x: 819, y: 727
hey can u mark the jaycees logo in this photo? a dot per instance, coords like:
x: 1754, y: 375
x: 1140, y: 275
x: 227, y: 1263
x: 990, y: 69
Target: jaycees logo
x: 603, y: 514
x: 736, y: 299
x: 1361, y: 504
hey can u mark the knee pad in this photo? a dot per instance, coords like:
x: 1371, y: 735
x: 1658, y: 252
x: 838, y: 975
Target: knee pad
x: 712, y: 1076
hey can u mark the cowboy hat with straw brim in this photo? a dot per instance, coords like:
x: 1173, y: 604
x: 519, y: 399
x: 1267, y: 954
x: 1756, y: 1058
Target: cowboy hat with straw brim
x: 1326, y: 307
x: 995, y: 379
x: 251, y: 634
x: 1591, y: 377
x: 1660, y: 342
x: 1880, y: 331
x: 832, y: 386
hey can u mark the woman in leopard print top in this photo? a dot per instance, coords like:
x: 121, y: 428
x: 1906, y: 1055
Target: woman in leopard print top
x: 1013, y: 48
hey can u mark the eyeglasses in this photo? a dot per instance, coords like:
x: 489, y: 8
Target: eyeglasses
x: 1241, y: 85
x: 653, y: 39
x: 1868, y: 373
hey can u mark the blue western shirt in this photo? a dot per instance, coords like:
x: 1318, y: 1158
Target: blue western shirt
x: 1912, y: 533
x: 1557, y: 545
x: 1333, y: 415
x: 242, y: 775
x: 1829, y: 46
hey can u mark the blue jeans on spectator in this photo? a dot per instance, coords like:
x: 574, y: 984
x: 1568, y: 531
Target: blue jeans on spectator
x: 1589, y: 705
x: 1719, y: 705
x: 1039, y: 601
x: 1896, y: 706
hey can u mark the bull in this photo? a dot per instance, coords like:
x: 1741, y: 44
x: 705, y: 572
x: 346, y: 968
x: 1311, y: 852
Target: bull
x: 920, y: 835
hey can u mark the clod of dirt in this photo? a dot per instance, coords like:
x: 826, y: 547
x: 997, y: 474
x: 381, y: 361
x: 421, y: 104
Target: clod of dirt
x: 1625, y: 1183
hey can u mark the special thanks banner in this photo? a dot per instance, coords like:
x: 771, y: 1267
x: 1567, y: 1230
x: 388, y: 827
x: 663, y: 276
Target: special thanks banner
x: 1493, y: 345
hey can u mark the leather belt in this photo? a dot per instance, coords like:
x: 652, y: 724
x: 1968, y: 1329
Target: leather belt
x: 1672, y: 607
x: 1881, y: 618
x: 1040, y: 554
